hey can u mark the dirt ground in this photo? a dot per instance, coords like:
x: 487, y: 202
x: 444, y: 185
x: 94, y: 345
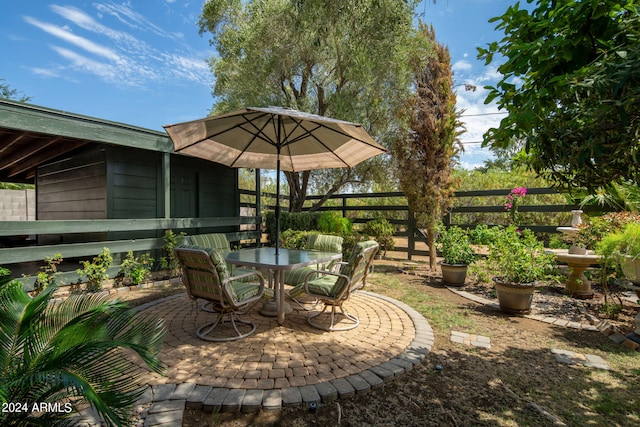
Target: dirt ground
x: 517, y: 382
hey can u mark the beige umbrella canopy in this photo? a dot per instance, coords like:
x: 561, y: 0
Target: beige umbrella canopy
x: 275, y: 138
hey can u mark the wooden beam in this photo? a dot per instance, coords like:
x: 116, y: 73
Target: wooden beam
x: 41, y: 157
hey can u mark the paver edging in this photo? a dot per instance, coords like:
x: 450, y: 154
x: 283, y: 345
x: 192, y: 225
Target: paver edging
x: 596, y: 325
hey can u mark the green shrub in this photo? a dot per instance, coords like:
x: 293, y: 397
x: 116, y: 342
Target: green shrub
x: 96, y: 270
x: 79, y: 352
x: 47, y: 277
x: 382, y: 231
x: 5, y: 276
x: 295, y: 239
x: 136, y: 269
x: 302, y: 221
x: 518, y: 257
x: 456, y: 247
x: 482, y: 234
x: 334, y: 222
x: 169, y: 261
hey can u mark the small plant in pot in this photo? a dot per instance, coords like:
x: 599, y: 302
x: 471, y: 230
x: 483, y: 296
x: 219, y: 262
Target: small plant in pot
x: 623, y: 246
x: 519, y: 260
x: 457, y: 253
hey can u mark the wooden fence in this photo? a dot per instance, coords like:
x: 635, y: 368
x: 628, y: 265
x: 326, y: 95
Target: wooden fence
x: 362, y: 207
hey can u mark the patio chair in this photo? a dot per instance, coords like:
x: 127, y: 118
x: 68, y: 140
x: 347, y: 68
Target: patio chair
x: 219, y: 242
x: 334, y: 289
x: 315, y: 242
x: 205, y: 275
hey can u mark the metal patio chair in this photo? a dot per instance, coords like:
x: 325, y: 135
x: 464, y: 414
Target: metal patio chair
x: 334, y: 289
x: 205, y: 275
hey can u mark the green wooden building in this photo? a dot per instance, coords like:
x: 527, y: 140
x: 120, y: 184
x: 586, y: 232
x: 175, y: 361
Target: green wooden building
x: 106, y: 181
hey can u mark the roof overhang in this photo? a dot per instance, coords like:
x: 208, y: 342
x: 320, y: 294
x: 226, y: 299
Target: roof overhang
x: 31, y: 135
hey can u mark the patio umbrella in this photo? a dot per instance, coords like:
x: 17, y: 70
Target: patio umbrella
x: 275, y: 138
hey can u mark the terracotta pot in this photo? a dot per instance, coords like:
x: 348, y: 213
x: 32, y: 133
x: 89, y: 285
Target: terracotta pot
x: 454, y: 274
x: 514, y: 298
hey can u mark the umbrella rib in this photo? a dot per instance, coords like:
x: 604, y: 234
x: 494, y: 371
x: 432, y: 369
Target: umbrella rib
x: 260, y: 135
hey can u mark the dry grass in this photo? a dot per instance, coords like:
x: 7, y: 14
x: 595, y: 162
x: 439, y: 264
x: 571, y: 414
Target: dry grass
x: 517, y: 382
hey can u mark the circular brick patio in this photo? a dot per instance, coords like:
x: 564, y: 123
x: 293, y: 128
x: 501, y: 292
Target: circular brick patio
x: 289, y: 364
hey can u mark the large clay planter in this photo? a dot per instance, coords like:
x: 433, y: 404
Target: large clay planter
x: 630, y: 266
x: 454, y: 274
x: 514, y: 298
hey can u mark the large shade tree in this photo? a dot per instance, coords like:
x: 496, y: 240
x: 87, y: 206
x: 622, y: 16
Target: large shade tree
x: 427, y: 152
x: 571, y: 85
x: 343, y: 59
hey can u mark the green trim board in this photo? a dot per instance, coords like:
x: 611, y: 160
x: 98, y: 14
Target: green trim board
x: 33, y: 118
x: 16, y: 228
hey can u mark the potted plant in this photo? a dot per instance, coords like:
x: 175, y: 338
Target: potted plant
x: 623, y: 246
x: 519, y: 260
x: 457, y: 254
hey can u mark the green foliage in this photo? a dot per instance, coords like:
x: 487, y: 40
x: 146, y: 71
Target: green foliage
x: 592, y: 232
x: 343, y: 59
x: 556, y: 242
x: 382, y: 232
x: 334, y: 222
x: 496, y: 179
x: 455, y: 245
x: 518, y: 257
x: 47, y: 277
x: 96, y: 270
x: 169, y: 261
x: 8, y: 93
x: 75, y: 352
x: 624, y: 242
x: 5, y: 276
x: 576, y: 101
x: 295, y: 239
x: 482, y: 234
x: 292, y: 220
x: 136, y: 269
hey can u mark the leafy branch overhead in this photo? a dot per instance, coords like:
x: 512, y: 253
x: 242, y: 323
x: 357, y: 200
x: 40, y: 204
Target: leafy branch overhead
x: 571, y: 85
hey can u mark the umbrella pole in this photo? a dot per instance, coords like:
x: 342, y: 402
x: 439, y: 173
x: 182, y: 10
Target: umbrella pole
x: 278, y: 203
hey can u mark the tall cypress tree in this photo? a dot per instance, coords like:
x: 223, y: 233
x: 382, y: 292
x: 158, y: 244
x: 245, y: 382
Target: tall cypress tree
x: 428, y: 150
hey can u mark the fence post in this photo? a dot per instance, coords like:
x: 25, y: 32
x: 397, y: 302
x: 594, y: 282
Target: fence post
x: 411, y: 241
x: 344, y: 207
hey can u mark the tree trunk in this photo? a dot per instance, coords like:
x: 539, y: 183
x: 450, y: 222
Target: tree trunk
x: 431, y: 242
x: 298, y: 182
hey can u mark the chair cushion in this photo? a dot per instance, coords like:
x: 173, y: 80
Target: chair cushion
x: 241, y: 291
x: 210, y: 240
x: 296, y: 277
x: 217, y: 259
x: 326, y: 286
x: 325, y: 243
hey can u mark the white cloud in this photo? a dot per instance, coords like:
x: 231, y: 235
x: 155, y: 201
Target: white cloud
x: 461, y: 65
x: 69, y: 37
x: 120, y: 57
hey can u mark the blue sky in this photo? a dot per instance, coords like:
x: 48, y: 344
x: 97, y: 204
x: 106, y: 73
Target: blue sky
x: 143, y: 63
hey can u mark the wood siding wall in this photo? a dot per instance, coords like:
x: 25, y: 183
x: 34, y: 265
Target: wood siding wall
x: 73, y: 188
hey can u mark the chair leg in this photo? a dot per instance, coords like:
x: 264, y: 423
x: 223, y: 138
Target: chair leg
x: 204, y: 331
x: 353, y: 320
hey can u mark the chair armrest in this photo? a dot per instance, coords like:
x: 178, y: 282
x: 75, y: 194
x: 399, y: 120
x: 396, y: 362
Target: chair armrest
x: 228, y: 280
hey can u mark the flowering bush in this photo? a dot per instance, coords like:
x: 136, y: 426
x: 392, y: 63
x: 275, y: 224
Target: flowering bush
x: 511, y: 205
